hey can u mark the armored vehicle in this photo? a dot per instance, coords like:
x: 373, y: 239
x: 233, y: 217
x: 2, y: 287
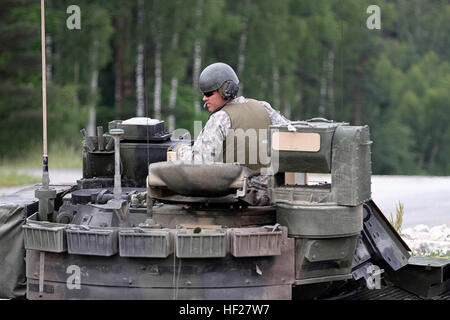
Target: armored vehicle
x: 142, y: 225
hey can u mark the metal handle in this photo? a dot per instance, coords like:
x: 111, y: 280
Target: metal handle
x: 319, y: 120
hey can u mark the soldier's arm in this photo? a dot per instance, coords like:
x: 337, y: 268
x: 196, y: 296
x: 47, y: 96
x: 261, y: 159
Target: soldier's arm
x: 208, y: 145
x: 275, y: 117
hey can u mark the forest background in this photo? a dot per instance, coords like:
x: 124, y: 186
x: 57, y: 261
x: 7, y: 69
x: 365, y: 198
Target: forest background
x: 306, y: 58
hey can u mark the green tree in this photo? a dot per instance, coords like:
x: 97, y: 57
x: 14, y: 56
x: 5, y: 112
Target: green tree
x: 20, y: 88
x: 81, y: 54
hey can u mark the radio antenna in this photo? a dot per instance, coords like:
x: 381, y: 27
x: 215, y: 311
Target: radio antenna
x: 45, y: 177
x: 45, y: 195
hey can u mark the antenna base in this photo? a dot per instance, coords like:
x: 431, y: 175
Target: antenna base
x: 46, y: 198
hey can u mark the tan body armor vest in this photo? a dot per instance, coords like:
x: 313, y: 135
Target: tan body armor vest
x: 247, y: 139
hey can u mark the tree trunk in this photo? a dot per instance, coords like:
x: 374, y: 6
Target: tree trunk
x: 418, y: 13
x: 323, y: 91
x: 140, y: 102
x: 173, y: 87
x: 433, y: 153
x: 48, y: 53
x: 275, y: 78
x: 76, y: 77
x: 276, y: 86
x: 242, y: 46
x: 158, y: 78
x: 298, y: 103
x: 287, y: 108
x: 331, y: 84
x: 172, y: 101
x: 94, y: 82
x: 118, y: 92
x: 357, y: 91
x: 357, y: 106
x: 140, y: 80
x: 197, y: 54
x: 196, y: 73
x: 76, y: 72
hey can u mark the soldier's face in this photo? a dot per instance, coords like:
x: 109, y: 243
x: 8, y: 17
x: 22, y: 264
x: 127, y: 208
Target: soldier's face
x: 214, y: 101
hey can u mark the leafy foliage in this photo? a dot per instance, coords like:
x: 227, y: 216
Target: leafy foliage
x: 306, y: 58
x: 398, y: 220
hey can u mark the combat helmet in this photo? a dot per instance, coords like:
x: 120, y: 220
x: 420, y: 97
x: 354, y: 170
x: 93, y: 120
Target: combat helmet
x: 219, y: 76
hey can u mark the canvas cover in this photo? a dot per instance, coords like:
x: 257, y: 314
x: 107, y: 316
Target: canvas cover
x: 14, y: 209
x: 12, y: 251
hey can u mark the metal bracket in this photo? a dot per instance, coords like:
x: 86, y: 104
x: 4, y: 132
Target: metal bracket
x: 383, y: 240
x: 41, y: 273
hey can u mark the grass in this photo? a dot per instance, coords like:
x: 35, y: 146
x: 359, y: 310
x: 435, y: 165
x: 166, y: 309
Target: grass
x: 398, y: 220
x: 60, y: 156
x: 439, y: 254
x: 14, y: 178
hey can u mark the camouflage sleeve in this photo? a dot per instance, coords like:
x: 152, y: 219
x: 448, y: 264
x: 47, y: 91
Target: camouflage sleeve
x: 208, y: 145
x: 275, y: 117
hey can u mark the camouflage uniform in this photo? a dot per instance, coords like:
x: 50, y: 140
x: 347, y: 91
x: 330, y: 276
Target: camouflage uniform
x: 207, y: 147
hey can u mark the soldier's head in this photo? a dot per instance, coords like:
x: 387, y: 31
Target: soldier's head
x: 219, y: 84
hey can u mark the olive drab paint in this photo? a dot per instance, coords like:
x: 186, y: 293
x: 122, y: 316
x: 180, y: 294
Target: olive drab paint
x: 184, y: 230
x: 249, y: 123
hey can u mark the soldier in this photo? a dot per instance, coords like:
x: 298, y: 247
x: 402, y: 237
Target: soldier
x: 229, y: 113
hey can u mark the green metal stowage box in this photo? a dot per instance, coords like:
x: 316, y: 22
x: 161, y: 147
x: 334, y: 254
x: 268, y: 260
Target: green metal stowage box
x: 255, y: 242
x: 209, y: 243
x: 351, y: 164
x: 44, y: 236
x: 318, y: 260
x: 93, y: 241
x: 318, y: 161
x: 139, y: 242
x: 320, y: 220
